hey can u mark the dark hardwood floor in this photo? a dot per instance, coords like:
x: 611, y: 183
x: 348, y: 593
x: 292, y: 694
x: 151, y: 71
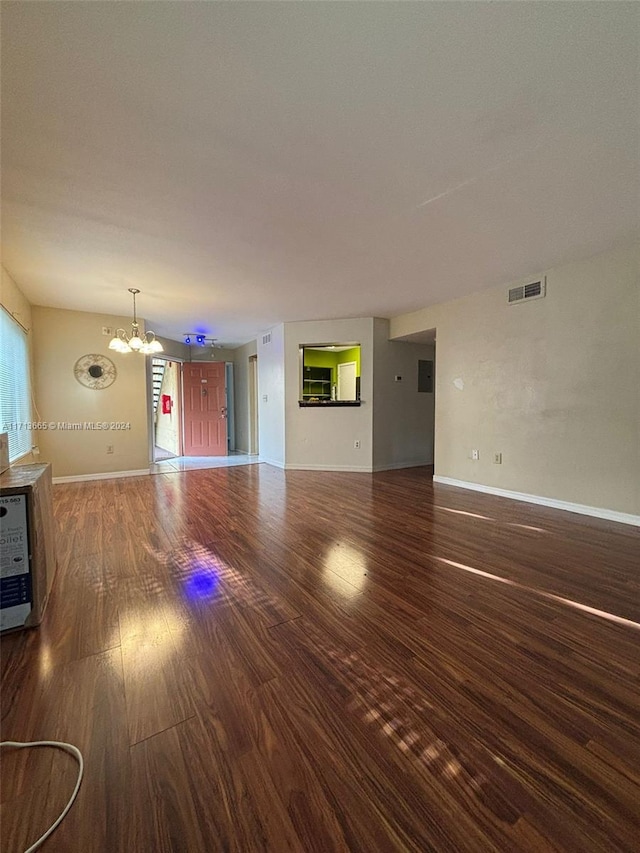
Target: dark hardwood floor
x: 257, y: 660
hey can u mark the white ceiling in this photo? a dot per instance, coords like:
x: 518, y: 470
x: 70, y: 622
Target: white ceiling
x: 248, y: 163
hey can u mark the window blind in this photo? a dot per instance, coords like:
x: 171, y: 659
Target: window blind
x: 15, y: 387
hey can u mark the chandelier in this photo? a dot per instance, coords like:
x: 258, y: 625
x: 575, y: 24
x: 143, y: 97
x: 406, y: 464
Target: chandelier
x: 122, y: 342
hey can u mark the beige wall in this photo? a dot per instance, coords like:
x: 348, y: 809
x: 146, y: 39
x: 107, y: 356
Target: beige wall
x: 207, y: 354
x: 324, y: 438
x: 15, y: 303
x: 167, y: 426
x: 174, y: 349
x: 179, y: 350
x: 552, y: 384
x: 394, y: 424
x: 60, y: 338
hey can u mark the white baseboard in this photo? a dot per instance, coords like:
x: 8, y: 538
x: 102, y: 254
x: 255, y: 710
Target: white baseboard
x: 357, y: 469
x: 272, y: 462
x: 581, y: 509
x: 107, y: 475
x: 395, y: 466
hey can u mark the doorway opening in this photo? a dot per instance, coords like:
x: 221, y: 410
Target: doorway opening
x: 427, y: 385
x: 230, y: 407
x: 189, y: 405
x: 423, y: 416
x: 167, y: 409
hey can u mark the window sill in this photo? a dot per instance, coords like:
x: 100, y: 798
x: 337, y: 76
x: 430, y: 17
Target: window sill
x: 22, y: 456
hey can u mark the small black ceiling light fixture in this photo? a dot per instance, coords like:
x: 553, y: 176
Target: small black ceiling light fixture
x: 196, y: 339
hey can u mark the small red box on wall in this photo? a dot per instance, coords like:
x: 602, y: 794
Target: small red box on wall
x: 167, y: 403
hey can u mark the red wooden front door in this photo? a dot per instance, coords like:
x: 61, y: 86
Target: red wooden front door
x: 205, y: 409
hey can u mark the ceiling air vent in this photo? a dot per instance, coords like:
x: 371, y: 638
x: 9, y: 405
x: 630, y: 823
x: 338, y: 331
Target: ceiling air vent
x: 534, y: 290
x: 266, y: 339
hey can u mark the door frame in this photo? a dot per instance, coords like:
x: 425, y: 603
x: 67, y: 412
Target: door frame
x: 150, y: 422
x: 229, y: 393
x: 206, y: 379
x: 151, y: 427
x: 253, y: 406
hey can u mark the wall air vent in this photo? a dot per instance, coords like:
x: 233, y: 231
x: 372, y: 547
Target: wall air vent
x: 534, y: 290
x: 266, y: 339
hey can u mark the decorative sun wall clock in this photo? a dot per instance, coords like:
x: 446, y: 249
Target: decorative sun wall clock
x: 95, y: 371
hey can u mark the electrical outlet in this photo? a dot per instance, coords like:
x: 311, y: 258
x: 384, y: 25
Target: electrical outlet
x: 107, y: 330
x: 109, y: 448
x: 475, y: 454
x: 497, y: 458
x: 356, y: 444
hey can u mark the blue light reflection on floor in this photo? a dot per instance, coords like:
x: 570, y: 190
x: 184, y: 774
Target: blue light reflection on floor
x: 201, y: 584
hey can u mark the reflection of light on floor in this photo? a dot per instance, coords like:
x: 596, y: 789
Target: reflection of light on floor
x: 198, y: 568
x: 205, y: 577
x: 527, y: 527
x: 462, y: 512
x: 593, y: 611
x: 200, y: 584
x: 150, y: 634
x: 45, y: 661
x: 347, y: 562
x: 602, y: 614
x: 380, y: 696
x: 398, y: 710
x: 175, y: 623
x: 488, y: 518
x: 169, y: 497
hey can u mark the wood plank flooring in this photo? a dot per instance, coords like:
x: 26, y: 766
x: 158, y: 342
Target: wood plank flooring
x: 253, y: 660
